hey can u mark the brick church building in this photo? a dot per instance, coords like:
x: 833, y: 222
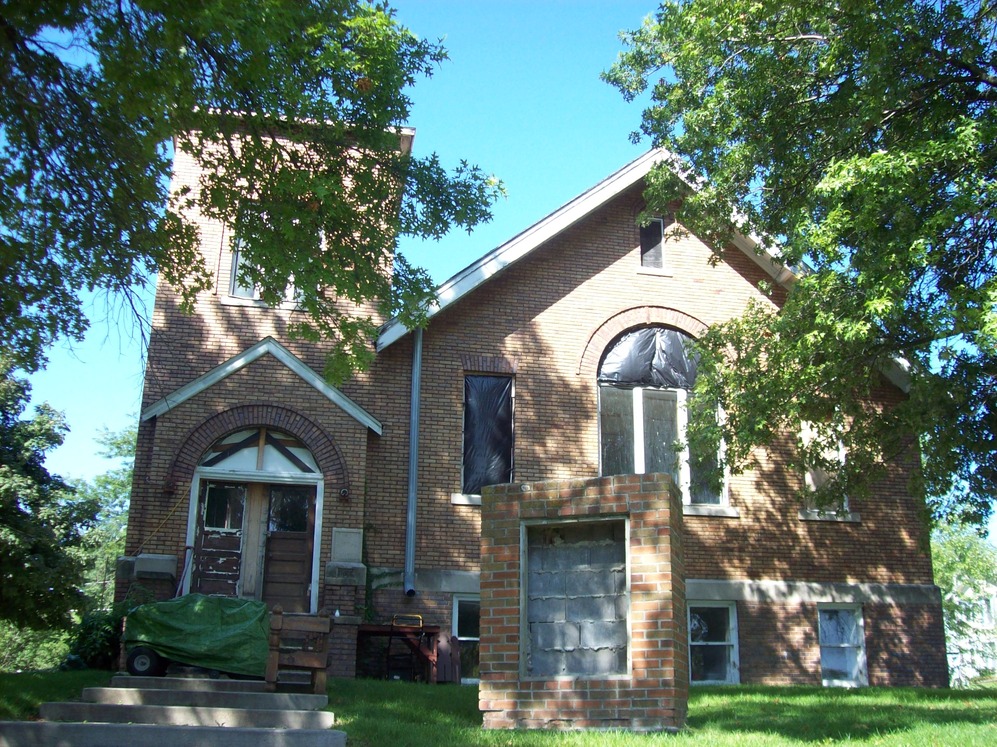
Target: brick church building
x: 557, y: 359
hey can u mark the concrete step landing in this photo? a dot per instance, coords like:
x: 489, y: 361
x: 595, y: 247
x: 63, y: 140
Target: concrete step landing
x: 185, y: 716
x: 44, y: 734
x: 180, y: 712
x: 205, y: 698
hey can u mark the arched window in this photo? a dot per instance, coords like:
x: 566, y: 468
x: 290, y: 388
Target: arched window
x: 644, y: 378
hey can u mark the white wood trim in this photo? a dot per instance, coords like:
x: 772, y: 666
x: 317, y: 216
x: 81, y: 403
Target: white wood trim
x: 267, y: 345
x: 561, y: 219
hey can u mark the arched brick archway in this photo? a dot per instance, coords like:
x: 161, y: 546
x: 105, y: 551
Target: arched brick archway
x: 639, y: 316
x: 323, y: 448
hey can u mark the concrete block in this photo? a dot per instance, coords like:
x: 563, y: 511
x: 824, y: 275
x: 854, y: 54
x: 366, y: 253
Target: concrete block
x: 608, y: 555
x: 563, y: 636
x: 603, y: 634
x: 589, y: 662
x: 544, y: 584
x: 545, y: 609
x: 589, y: 583
x: 546, y: 664
x: 153, y: 565
x: 345, y: 574
x: 591, y: 608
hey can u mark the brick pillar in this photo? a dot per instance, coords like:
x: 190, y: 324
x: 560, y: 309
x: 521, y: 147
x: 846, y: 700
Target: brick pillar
x: 345, y: 585
x: 583, y: 622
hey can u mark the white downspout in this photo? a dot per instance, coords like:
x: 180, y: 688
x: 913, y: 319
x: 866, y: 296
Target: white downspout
x: 408, y: 577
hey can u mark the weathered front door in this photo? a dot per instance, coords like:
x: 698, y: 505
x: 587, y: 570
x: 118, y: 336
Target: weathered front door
x: 217, y: 560
x: 255, y: 540
x: 287, y: 569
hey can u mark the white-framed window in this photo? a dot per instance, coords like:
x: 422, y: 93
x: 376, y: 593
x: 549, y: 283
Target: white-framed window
x: 842, y: 645
x: 644, y: 380
x: 816, y: 476
x: 239, y: 289
x: 488, y: 436
x: 652, y: 245
x: 466, y: 627
x: 713, y: 652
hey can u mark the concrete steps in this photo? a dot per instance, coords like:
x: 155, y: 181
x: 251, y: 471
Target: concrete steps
x: 182, y: 712
x: 205, y: 698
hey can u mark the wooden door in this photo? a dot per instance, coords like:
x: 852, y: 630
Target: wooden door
x: 217, y: 561
x: 287, y: 572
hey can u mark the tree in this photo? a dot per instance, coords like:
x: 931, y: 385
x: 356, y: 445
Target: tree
x: 104, y: 542
x: 966, y: 572
x: 41, y: 521
x: 859, y: 140
x: 290, y: 107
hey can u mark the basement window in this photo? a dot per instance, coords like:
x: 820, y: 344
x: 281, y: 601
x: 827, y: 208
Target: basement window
x: 713, y: 643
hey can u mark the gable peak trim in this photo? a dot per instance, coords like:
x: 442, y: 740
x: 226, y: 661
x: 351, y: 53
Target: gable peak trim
x: 266, y: 346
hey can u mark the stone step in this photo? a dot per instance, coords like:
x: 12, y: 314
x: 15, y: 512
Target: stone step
x: 43, y: 734
x: 193, y: 684
x: 186, y: 716
x: 205, y: 698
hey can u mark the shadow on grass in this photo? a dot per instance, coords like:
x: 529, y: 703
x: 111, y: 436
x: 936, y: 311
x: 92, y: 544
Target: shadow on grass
x: 815, y: 714
x: 375, y: 713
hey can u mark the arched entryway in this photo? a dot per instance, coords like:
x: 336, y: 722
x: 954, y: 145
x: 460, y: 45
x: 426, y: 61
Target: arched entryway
x: 255, y: 518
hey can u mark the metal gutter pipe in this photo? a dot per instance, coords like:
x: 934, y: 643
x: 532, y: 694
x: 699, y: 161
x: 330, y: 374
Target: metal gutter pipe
x: 408, y: 577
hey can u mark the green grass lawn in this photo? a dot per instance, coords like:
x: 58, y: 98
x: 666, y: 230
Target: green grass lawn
x: 374, y: 713
x: 21, y: 694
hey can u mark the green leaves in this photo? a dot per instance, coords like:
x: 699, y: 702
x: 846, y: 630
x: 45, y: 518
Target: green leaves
x: 293, y: 104
x: 860, y: 137
x: 40, y: 518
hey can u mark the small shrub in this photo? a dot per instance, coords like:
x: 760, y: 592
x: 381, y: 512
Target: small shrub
x: 97, y: 640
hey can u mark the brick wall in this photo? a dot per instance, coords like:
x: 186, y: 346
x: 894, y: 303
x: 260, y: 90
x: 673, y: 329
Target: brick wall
x: 547, y: 320
x: 652, y: 694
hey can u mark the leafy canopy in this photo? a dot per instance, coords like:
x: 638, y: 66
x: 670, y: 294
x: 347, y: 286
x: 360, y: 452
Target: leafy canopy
x: 859, y: 138
x: 966, y: 572
x: 42, y: 523
x: 97, y: 93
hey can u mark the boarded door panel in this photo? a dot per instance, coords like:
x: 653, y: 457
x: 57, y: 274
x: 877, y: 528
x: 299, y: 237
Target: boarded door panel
x: 287, y: 574
x: 218, y: 544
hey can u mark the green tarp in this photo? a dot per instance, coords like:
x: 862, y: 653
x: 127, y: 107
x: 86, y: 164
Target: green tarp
x: 223, y: 633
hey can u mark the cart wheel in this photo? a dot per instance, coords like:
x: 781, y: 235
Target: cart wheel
x: 144, y: 662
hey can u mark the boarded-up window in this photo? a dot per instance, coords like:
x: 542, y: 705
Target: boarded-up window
x: 577, y: 600
x: 487, y: 432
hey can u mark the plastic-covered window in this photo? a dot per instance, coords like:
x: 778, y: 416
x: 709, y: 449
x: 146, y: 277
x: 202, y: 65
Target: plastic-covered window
x: 643, y: 380
x: 488, y: 411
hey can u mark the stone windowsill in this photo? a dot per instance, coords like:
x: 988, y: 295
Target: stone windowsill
x: 465, y: 499
x: 810, y: 514
x: 727, y: 512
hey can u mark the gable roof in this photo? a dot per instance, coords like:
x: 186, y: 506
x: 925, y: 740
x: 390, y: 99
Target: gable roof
x: 266, y: 346
x: 518, y: 247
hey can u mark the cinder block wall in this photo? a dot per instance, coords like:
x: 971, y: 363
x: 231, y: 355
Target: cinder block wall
x: 642, y: 686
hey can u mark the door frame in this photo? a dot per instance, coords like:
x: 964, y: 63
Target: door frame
x: 285, y: 478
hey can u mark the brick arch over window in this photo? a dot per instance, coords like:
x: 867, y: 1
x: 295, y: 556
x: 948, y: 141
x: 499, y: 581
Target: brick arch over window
x: 324, y: 450
x: 639, y: 316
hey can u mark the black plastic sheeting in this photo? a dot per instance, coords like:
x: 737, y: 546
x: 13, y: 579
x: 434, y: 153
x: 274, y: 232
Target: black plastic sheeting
x: 653, y: 356
x: 487, y: 432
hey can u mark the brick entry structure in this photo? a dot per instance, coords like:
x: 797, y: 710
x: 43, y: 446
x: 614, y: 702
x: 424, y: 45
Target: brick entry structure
x: 583, y: 617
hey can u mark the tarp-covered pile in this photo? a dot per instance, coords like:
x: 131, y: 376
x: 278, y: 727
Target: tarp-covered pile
x: 223, y: 633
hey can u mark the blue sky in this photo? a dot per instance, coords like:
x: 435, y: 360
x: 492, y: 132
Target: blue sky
x: 520, y: 97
